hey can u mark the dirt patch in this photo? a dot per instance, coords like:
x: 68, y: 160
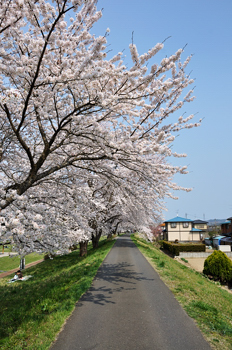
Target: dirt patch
x: 195, y: 263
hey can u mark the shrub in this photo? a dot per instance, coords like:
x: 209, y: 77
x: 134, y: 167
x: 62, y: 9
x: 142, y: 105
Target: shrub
x: 218, y: 266
x: 176, y: 248
x: 161, y: 243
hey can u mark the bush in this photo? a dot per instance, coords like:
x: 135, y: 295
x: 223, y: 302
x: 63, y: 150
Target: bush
x: 161, y: 243
x: 218, y: 266
x: 176, y: 248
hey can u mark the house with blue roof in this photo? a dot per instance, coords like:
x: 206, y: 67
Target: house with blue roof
x: 202, y: 225
x: 184, y: 230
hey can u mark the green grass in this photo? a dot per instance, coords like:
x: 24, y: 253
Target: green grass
x: 33, y: 312
x: 8, y: 263
x: 205, y: 301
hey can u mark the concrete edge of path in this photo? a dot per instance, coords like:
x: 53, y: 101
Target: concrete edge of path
x: 7, y: 273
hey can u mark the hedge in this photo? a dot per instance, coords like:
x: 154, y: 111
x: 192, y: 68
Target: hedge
x: 176, y: 248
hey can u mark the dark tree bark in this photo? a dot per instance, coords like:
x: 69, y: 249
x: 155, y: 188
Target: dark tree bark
x: 115, y: 228
x: 83, y: 248
x: 109, y: 235
x: 95, y: 239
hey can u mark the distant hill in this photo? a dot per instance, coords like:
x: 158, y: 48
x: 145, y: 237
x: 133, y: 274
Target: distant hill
x: 212, y: 222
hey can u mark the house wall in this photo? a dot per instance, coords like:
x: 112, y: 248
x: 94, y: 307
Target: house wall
x: 172, y: 236
x: 200, y: 226
x: 195, y: 236
x: 225, y: 228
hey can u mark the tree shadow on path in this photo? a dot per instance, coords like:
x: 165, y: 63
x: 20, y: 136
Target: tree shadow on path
x: 111, y: 279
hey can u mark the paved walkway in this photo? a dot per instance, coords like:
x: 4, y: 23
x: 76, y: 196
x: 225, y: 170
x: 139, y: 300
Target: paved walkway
x: 128, y: 307
x: 2, y: 255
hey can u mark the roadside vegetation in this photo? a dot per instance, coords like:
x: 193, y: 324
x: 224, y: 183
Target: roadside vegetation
x: 205, y: 301
x: 28, y: 309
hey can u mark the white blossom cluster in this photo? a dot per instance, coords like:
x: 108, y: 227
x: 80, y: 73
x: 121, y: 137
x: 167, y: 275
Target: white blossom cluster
x: 85, y: 141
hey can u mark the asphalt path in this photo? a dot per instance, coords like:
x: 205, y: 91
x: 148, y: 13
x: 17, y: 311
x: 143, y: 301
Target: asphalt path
x: 128, y: 307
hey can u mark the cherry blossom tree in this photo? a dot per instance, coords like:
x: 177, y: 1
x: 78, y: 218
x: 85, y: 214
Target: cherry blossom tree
x: 156, y: 231
x: 52, y: 219
x: 131, y: 202
x: 66, y: 109
x: 10, y: 14
x: 76, y: 209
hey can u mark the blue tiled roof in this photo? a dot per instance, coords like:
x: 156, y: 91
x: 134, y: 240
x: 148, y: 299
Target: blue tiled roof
x: 179, y: 219
x: 195, y: 230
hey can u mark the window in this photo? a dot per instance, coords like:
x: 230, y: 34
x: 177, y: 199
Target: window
x: 173, y: 225
x: 185, y: 224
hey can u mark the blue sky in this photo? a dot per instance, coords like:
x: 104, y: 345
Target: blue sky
x: 206, y: 27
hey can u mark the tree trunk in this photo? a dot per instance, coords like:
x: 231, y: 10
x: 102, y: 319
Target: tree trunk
x: 22, y: 264
x: 115, y: 229
x: 95, y: 239
x: 83, y: 248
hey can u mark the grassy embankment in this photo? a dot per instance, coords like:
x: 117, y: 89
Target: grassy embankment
x: 205, y: 301
x: 32, y: 312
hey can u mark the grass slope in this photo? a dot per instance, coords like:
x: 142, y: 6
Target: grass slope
x: 8, y: 263
x: 205, y: 301
x: 33, y: 312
